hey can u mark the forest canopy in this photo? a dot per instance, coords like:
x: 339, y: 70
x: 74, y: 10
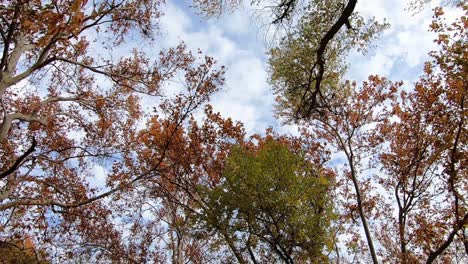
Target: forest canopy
x: 377, y: 172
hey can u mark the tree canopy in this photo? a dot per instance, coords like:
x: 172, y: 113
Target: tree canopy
x: 101, y: 162
x: 273, y: 205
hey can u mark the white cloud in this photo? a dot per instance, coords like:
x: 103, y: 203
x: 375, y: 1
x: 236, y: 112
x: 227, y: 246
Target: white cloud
x: 246, y: 96
x: 402, y: 49
x: 237, y: 23
x: 174, y: 22
x: 249, y: 77
x: 379, y: 63
x: 233, y: 40
x: 211, y: 41
x: 415, y: 46
x: 99, y: 177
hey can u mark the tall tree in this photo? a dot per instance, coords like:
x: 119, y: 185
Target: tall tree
x: 66, y: 108
x: 426, y: 159
x: 347, y: 126
x: 271, y: 205
x: 196, y: 158
x: 21, y: 252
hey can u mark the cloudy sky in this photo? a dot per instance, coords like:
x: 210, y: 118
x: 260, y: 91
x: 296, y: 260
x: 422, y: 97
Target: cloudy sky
x: 238, y: 41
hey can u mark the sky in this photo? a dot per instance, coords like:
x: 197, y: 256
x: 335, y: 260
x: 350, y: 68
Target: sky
x: 237, y: 41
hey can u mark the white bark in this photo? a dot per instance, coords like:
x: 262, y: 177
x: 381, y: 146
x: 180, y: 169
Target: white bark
x: 6, y: 124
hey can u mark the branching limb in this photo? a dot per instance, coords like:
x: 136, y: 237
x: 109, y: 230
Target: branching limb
x: 18, y: 162
x: 311, y: 103
x: 448, y: 240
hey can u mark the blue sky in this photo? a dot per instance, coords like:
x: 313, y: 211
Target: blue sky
x: 238, y: 41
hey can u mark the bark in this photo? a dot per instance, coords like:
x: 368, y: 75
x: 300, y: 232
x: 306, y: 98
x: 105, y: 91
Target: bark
x: 347, y: 148
x: 233, y: 248
x: 402, y: 231
x: 434, y: 254
x: 311, y: 103
x: 9, y: 118
x: 249, y: 249
x: 361, y: 211
x: 286, y: 7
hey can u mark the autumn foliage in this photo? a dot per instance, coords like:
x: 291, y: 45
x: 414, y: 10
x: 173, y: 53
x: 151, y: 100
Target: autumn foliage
x: 121, y: 159
x: 59, y: 122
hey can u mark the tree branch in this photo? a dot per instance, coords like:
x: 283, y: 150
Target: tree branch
x: 286, y: 7
x: 449, y: 240
x: 6, y: 124
x: 19, y: 160
x: 311, y: 103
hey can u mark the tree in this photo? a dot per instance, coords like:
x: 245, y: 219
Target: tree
x: 426, y: 159
x: 196, y: 158
x: 182, y: 190
x: 271, y: 205
x: 308, y: 63
x: 66, y: 109
x: 195, y: 169
x: 20, y: 252
x: 422, y: 168
x: 418, y: 5
x: 347, y: 126
x: 410, y: 137
x: 359, y: 123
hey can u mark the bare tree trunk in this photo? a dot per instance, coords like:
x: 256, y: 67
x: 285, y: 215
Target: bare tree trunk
x: 360, y: 207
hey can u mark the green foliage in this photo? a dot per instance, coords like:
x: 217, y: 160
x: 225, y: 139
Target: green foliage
x: 272, y: 198
x: 294, y: 63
